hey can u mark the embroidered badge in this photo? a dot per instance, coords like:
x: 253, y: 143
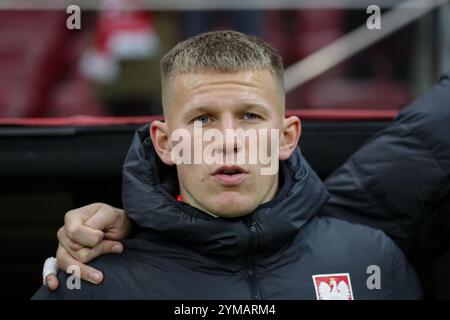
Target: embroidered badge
x: 333, y: 286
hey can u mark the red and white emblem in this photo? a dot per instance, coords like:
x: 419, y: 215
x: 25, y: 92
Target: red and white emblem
x: 333, y: 286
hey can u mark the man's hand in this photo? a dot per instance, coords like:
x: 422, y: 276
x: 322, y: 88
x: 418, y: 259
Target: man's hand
x: 88, y: 232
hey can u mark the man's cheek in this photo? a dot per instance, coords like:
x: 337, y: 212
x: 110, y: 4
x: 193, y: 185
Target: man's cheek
x: 269, y: 151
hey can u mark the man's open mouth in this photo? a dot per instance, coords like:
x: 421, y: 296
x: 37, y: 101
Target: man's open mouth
x: 230, y: 175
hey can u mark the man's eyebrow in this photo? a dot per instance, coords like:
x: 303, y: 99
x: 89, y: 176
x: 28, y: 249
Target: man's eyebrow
x: 195, y: 111
x: 208, y: 109
x: 258, y: 107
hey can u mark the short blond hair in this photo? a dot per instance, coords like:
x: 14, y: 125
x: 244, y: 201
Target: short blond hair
x: 227, y: 51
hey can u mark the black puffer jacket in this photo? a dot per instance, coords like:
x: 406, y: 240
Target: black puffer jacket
x: 399, y: 182
x: 282, y: 250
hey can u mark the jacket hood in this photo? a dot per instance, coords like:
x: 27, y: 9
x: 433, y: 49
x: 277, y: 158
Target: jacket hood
x: 149, y: 194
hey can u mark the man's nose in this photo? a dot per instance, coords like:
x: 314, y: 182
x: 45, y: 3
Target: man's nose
x: 231, y: 141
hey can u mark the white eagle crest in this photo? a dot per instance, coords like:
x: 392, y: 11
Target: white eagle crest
x: 334, y: 291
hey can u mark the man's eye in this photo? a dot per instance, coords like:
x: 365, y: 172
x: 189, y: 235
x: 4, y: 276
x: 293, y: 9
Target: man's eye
x: 250, y: 116
x: 203, y: 119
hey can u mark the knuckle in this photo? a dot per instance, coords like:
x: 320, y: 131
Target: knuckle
x: 99, y: 206
x: 72, y: 230
x: 68, y: 214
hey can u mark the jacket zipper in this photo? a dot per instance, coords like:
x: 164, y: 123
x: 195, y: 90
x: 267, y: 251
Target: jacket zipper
x: 255, y: 287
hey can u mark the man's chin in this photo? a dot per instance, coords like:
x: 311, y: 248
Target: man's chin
x: 232, y: 204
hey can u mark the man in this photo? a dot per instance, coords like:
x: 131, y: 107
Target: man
x: 237, y: 233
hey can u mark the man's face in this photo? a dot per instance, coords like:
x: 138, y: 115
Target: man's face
x: 221, y: 101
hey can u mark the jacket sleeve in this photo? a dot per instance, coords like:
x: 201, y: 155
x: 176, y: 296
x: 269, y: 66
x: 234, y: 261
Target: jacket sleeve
x: 400, y: 179
x: 405, y: 284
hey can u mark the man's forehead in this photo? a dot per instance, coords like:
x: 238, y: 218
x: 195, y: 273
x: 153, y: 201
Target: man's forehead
x: 197, y: 80
x: 233, y: 90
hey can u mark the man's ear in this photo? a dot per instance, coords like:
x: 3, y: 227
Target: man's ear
x: 292, y: 129
x: 159, y: 133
